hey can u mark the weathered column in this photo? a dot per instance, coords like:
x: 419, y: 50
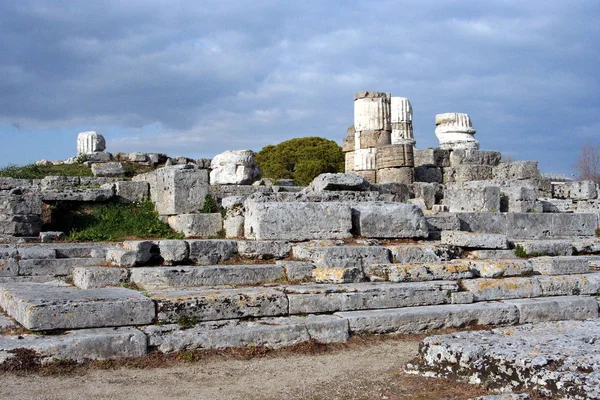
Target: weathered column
x: 90, y: 142
x: 455, y: 131
x: 373, y: 128
x: 348, y: 149
x: 401, y: 117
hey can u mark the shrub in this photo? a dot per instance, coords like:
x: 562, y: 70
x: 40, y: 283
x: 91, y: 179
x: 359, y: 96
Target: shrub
x: 300, y: 159
x: 33, y: 171
x: 210, y: 205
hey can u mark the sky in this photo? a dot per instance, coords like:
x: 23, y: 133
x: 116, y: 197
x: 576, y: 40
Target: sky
x: 196, y: 78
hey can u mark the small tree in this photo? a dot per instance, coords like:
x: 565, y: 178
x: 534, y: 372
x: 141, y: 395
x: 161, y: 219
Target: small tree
x: 588, y: 164
x: 300, y: 159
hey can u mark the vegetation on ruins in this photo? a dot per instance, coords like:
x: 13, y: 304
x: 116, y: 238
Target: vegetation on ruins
x: 588, y: 164
x: 300, y: 159
x: 110, y: 222
x: 33, y: 171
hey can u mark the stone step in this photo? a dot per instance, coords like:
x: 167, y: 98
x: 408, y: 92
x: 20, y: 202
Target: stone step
x: 329, y: 254
x: 73, y: 250
x: 269, y: 332
x: 78, y: 345
x: 474, y: 240
x: 561, y: 265
x: 40, y: 306
x: 191, y: 276
x: 550, y: 247
x: 56, y: 267
x: 556, y: 308
x: 486, y: 289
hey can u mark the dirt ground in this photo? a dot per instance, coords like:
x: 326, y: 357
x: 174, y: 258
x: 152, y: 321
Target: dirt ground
x: 360, y: 370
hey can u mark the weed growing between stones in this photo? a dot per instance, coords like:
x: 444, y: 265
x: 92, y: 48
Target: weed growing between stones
x: 110, y: 222
x: 186, y: 322
x: 522, y: 253
x: 210, y: 205
x: 33, y: 171
x: 597, y: 232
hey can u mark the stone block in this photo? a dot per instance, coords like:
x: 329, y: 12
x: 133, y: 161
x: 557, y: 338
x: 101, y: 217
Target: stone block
x: 338, y: 182
x: 265, y: 332
x: 403, y: 175
x: 99, y: 277
x: 52, y: 236
x: 325, y: 255
x: 264, y: 249
x: 565, y: 265
x: 174, y: 251
x: 501, y: 268
x: 580, y: 224
x: 555, y: 308
x: 234, y: 226
x: 177, y: 189
x: 143, y: 249
x: 517, y: 170
x: 474, y: 240
x: 191, y: 276
x: 461, y: 298
x: 296, y: 270
x: 79, y: 345
x: 389, y: 220
x: 557, y: 205
x: 373, y: 138
x: 9, y: 265
x: 394, y: 156
x: 393, y: 192
x: 211, y: 305
x: 338, y: 275
x: 421, y: 272
x: 349, y: 161
x: 466, y: 173
x: 580, y: 190
x: 39, y: 306
x: 440, y: 222
x: 482, y: 222
x: 411, y: 253
x: 234, y: 167
x: 491, y: 254
x: 197, y: 225
x: 109, y: 169
x: 83, y: 195
x: 90, y: 142
x: 432, y: 157
x: 17, y: 204
x: 56, y: 267
x: 132, y: 192
x: 486, y: 199
x: 474, y: 157
x: 486, y: 289
x: 529, y: 225
x: 423, y: 319
x: 429, y: 192
x: 566, y: 285
x: 427, y: 173
x: 297, y: 221
x: 546, y: 247
x: 308, y: 299
x: 369, y: 174
x: 209, y: 252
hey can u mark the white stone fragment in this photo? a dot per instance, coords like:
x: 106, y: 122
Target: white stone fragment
x: 234, y: 167
x: 90, y: 142
x: 455, y: 131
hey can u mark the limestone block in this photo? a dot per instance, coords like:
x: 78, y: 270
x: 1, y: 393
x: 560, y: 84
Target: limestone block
x: 137, y: 157
x: 455, y: 131
x: 174, y: 251
x: 517, y: 170
x: 365, y: 159
x: 486, y: 199
x: 197, y: 225
x: 586, y: 245
x: 349, y: 161
x: 466, y: 173
x: 474, y: 157
x: 546, y: 225
x: 52, y: 236
x: 234, y: 226
x: 132, y: 192
x: 297, y: 221
x: 177, y: 189
x: 491, y: 254
x: 326, y: 255
x: 369, y: 175
x: 9, y: 265
x: 192, y: 276
x: 264, y: 249
x: 422, y: 319
x: 588, y: 206
x: 410, y: 253
x: 234, y: 167
x: 422, y: 272
x: 307, y: 299
x: 461, y: 298
x: 581, y: 190
x: 482, y: 222
x: 348, y: 144
x: 501, y: 268
x: 338, y: 275
x: 56, y: 267
x: 296, y: 270
x: 564, y: 265
x: 211, y: 305
x: 389, y: 220
x: 338, y: 182
x: 99, y: 277
x: 486, y: 289
x: 90, y: 142
x: 396, y: 192
x: 39, y: 306
x: 566, y: 285
x: 16, y: 204
x: 370, y: 139
x: 97, y: 157
x: 84, y: 195
x: 265, y: 332
x: 474, y: 240
x: 432, y: 157
x: 372, y: 113
x: 442, y: 222
x: 79, y: 345
x: 551, y: 247
x: 555, y: 308
x: 403, y: 175
x: 31, y: 253
x: 429, y: 192
x: 209, y: 252
x: 394, y: 156
x: 143, y: 249
x: 426, y: 173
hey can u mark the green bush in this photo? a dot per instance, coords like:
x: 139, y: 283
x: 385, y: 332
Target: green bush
x: 110, y: 222
x: 300, y: 159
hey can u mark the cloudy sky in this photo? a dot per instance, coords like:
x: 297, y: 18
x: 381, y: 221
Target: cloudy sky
x: 196, y: 78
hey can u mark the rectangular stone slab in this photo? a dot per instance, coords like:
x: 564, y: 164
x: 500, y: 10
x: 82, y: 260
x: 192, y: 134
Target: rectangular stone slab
x: 215, y: 304
x: 187, y: 276
x: 420, y: 319
x: 59, y: 266
x: 39, y: 306
x: 555, y: 308
x: 307, y: 299
x: 564, y: 265
x: 91, y: 344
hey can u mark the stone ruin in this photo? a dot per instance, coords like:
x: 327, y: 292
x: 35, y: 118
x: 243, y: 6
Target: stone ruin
x: 407, y: 241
